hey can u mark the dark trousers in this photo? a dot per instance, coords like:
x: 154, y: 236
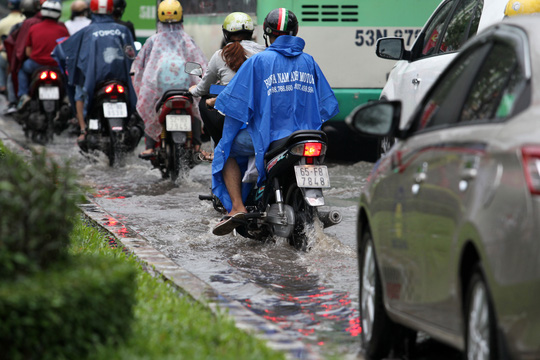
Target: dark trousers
x: 212, y: 119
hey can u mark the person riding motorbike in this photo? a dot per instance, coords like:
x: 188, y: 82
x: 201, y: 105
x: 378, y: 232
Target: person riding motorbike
x: 292, y: 95
x: 521, y: 7
x: 103, y: 50
x: 39, y: 45
x: 159, y: 66
x: 118, y: 11
x: 15, y: 45
x: 14, y: 16
x: 237, y: 32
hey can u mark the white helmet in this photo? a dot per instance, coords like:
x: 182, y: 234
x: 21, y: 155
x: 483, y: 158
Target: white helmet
x: 51, y: 9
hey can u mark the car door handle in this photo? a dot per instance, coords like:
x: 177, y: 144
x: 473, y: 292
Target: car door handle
x: 420, y: 177
x: 416, y: 81
x: 469, y: 174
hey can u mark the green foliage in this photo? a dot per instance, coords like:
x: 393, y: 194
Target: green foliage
x: 68, y: 310
x: 168, y: 325
x: 37, y: 206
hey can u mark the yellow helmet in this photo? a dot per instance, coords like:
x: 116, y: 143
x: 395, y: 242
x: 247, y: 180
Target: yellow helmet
x: 170, y: 11
x: 522, y: 7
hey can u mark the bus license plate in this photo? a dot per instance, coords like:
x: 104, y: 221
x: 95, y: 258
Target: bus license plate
x: 312, y: 176
x: 49, y: 93
x: 178, y: 122
x: 115, y: 110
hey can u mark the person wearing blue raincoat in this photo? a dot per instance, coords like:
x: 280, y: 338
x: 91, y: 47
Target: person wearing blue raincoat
x: 101, y: 51
x: 274, y: 93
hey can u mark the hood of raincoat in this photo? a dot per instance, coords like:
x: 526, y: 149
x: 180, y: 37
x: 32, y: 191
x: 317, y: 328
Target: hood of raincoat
x: 274, y: 93
x: 103, y: 50
x: 288, y: 45
x: 159, y: 67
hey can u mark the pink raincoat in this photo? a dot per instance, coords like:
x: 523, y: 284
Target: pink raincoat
x: 159, y: 66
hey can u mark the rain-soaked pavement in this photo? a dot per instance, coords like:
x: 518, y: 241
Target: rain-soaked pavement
x: 313, y: 296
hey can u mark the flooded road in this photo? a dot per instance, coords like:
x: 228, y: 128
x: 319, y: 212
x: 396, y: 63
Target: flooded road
x: 313, y: 296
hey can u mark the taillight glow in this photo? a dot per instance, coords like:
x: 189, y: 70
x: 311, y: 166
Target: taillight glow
x: 53, y: 75
x: 531, y: 167
x: 43, y: 75
x: 312, y: 149
x: 120, y: 88
x: 109, y: 89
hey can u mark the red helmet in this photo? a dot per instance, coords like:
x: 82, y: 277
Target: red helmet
x: 102, y: 6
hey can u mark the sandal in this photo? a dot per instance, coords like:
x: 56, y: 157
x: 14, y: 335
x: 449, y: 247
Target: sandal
x: 206, y: 156
x: 147, y: 154
x: 229, y: 223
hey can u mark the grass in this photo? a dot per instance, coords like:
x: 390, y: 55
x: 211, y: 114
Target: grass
x: 167, y: 324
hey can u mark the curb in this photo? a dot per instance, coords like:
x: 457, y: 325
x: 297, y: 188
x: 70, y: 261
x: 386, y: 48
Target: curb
x: 191, y: 285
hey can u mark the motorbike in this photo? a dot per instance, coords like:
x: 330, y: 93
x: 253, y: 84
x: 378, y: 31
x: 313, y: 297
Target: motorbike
x: 174, y: 154
x: 111, y: 128
x: 48, y: 111
x: 292, y: 194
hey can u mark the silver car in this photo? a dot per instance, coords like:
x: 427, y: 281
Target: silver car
x: 449, y: 222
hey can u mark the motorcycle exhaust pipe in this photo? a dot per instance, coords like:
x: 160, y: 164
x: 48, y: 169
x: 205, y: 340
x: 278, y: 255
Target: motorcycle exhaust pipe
x: 330, y: 218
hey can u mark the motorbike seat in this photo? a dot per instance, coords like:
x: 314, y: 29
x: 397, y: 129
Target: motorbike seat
x: 170, y: 93
x: 301, y: 135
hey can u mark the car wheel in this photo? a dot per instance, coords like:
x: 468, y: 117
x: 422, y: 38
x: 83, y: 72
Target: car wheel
x: 378, y: 331
x: 481, y: 324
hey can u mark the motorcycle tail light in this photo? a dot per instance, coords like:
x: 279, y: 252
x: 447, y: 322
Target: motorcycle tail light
x: 176, y: 103
x: 53, y: 75
x: 43, y: 75
x: 531, y: 167
x: 309, y: 149
x: 120, y: 88
x: 109, y: 89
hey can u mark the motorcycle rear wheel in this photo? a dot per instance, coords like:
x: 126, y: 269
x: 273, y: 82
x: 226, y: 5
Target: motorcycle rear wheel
x: 115, y: 152
x: 304, y: 214
x: 177, y: 161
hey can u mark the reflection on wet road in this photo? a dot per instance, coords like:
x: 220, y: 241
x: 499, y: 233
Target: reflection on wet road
x: 313, y: 296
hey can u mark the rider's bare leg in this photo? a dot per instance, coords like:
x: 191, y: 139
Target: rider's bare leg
x: 233, y: 181
x: 79, y: 107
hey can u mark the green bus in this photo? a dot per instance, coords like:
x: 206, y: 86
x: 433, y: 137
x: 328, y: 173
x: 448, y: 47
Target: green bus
x: 340, y: 34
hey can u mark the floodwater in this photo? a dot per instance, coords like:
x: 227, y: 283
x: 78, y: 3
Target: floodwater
x: 313, y: 296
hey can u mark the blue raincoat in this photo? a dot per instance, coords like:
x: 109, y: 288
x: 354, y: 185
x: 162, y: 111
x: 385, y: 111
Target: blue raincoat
x: 274, y: 93
x: 103, y: 50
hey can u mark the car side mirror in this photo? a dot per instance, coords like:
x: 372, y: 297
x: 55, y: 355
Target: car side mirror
x: 390, y: 48
x: 193, y: 68
x: 378, y: 118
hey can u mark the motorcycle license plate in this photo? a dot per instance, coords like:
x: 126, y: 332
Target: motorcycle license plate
x: 115, y: 110
x: 93, y: 124
x: 178, y: 122
x: 312, y: 176
x: 49, y: 93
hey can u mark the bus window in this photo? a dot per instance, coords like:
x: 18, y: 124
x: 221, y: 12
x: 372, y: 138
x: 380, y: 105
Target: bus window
x: 194, y: 7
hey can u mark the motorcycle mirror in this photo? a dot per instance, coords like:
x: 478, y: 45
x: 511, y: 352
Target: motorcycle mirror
x: 193, y: 68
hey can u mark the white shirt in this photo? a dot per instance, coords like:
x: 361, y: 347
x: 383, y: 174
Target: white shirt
x: 77, y: 24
